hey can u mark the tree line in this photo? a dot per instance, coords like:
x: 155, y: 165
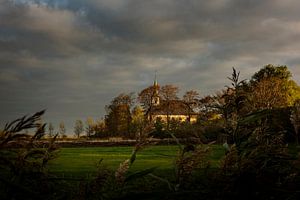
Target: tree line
x: 127, y: 116
x: 88, y: 128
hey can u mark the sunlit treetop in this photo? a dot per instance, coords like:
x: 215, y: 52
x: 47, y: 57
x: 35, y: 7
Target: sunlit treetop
x: 270, y: 70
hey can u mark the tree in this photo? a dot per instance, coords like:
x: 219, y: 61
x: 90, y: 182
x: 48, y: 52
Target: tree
x: 78, y: 129
x: 159, y: 131
x: 272, y: 87
x: 118, y: 118
x: 169, y: 96
x: 100, y: 128
x: 62, y: 129
x: 190, y: 99
x: 270, y: 71
x: 51, y: 129
x: 90, y: 124
x: 138, y: 121
x: 145, y: 97
x: 169, y: 92
x: 205, y: 106
x: 268, y: 93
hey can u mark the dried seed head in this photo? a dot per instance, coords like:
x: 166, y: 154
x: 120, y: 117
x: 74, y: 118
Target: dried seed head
x: 121, y: 171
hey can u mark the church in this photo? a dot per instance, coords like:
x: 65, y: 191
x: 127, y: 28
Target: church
x: 175, y: 109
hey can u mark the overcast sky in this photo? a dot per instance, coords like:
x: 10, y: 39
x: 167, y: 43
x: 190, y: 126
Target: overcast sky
x: 72, y: 57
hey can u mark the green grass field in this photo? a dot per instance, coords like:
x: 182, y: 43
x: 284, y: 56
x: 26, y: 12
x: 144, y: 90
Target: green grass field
x: 82, y: 161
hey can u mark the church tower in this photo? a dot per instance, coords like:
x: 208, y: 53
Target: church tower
x: 155, y: 97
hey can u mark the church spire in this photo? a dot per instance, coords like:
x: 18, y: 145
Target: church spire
x: 155, y: 79
x: 155, y: 97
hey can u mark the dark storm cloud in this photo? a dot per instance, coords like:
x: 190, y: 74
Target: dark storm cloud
x: 73, y: 56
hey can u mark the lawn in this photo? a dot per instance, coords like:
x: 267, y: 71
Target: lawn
x: 82, y: 161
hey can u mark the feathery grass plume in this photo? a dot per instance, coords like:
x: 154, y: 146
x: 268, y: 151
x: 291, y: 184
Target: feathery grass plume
x: 190, y: 159
x: 229, y: 163
x: 11, y: 134
x: 100, y: 187
x: 109, y: 184
x: 121, y: 171
x: 22, y: 160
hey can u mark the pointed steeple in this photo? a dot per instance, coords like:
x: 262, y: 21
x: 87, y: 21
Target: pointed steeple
x: 155, y: 79
x: 155, y: 97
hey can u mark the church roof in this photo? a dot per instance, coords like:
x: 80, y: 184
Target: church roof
x: 174, y: 107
